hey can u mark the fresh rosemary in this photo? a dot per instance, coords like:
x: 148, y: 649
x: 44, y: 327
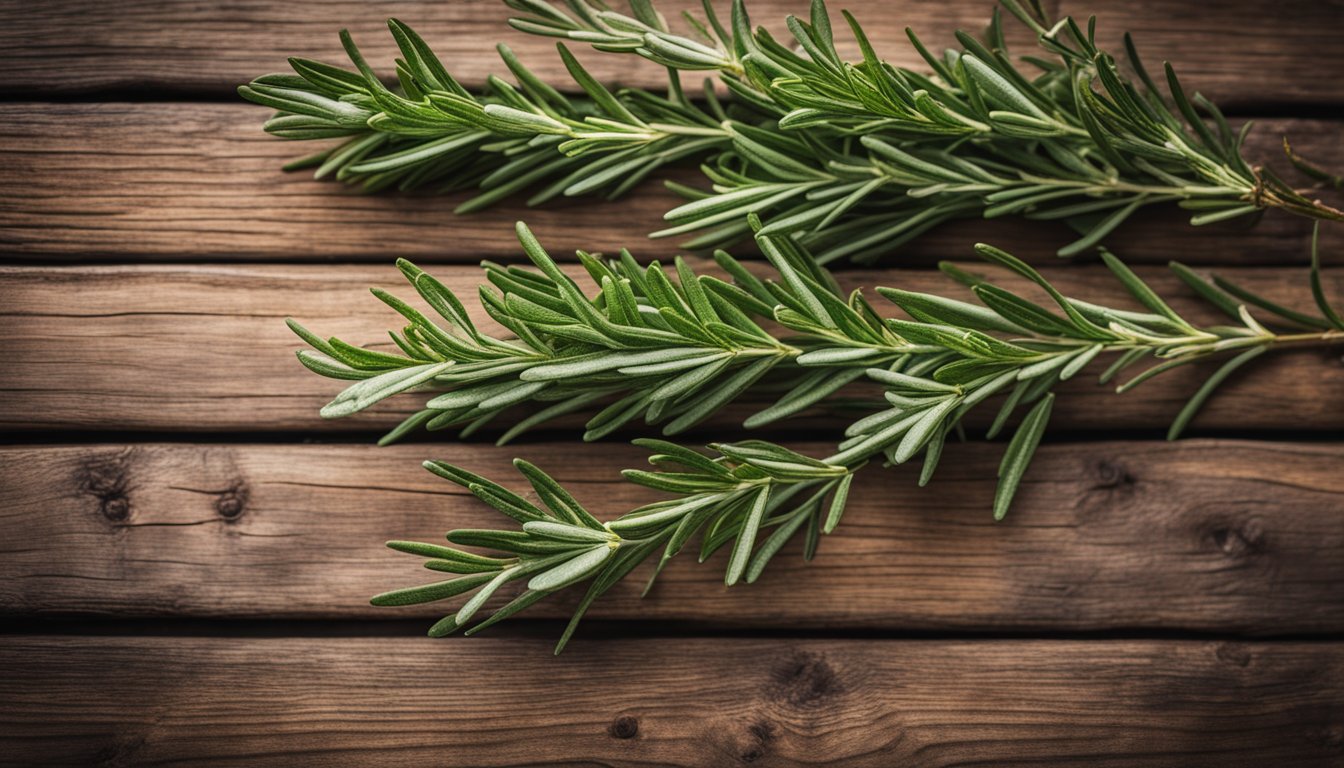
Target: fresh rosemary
x: 817, y: 159
x: 851, y: 158
x: 676, y: 350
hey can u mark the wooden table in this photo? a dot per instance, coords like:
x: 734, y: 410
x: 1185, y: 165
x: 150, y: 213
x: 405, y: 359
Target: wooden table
x: 187, y: 550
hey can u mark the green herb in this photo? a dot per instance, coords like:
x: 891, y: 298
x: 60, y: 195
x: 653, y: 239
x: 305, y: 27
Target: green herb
x: 675, y: 348
x: 931, y: 371
x: 818, y: 159
x: 853, y: 158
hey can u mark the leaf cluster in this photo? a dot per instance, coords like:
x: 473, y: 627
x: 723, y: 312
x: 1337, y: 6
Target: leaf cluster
x: 520, y: 136
x: 674, y: 347
x: 730, y: 499
x: 952, y: 355
x: 851, y: 158
x: 670, y: 346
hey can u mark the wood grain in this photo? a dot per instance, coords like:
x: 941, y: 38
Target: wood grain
x: 192, y: 182
x: 701, y: 702
x: 1223, y: 536
x: 1239, y: 54
x: 122, y: 141
x: 203, y: 349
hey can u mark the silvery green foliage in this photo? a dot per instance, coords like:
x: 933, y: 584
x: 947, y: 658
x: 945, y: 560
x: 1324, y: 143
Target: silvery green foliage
x: 932, y: 369
x: 851, y: 158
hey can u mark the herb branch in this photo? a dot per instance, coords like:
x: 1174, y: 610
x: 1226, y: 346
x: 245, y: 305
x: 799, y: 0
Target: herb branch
x: 817, y: 159
x: 851, y: 158
x: 672, y: 348
x: 676, y: 348
x: 755, y: 496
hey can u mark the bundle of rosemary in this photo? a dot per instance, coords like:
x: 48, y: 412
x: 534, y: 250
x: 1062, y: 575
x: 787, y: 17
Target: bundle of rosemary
x: 816, y: 159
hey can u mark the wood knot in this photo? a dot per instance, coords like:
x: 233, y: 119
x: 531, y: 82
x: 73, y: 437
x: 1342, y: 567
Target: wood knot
x: 107, y: 478
x: 116, y: 508
x: 233, y: 502
x: 1111, y: 474
x: 1246, y: 539
x: 763, y: 730
x: 804, y: 680
x: 762, y: 733
x: 624, y: 727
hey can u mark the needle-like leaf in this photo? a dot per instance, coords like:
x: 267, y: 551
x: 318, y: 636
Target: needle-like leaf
x: 850, y: 158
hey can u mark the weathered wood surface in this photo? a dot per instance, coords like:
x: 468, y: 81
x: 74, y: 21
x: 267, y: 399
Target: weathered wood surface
x: 204, y: 349
x: 703, y: 702
x: 191, y: 181
x: 270, y: 550
x: 1239, y: 53
x: 1224, y: 536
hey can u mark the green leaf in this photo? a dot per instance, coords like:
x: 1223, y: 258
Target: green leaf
x: 664, y: 451
x: 574, y: 570
x: 727, y: 390
x: 516, y: 542
x: 515, y: 605
x: 581, y: 366
x: 1207, y: 290
x: 1207, y: 388
x: 369, y: 391
x: 838, y: 502
x: 556, y: 498
x: 942, y: 311
x: 1105, y: 227
x: 1317, y: 290
x: 565, y: 532
x: 998, y: 89
x: 479, y: 599
x: 746, y: 538
x: 431, y: 592
x: 920, y: 432
x: 906, y: 381
x: 490, y: 492
x: 932, y: 455
x: 616, y: 569
x: 776, y: 540
x: 1139, y: 289
x: 446, y: 553
x: 1003, y: 258
x: 1018, y: 456
x: 1254, y: 299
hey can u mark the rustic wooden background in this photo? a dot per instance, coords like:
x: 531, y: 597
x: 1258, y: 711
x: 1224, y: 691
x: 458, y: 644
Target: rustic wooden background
x: 186, y: 550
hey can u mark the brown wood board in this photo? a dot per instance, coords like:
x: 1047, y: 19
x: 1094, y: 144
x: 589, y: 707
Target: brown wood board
x: 114, y: 182
x: 204, y: 349
x: 1239, y: 53
x: 1200, y: 535
x: 703, y: 702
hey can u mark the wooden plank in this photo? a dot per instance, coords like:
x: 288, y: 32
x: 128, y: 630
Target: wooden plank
x: 1236, y: 54
x: 702, y: 702
x: 204, y: 349
x: 201, y: 181
x: 1225, y: 536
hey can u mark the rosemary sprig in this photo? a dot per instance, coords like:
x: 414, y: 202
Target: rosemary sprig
x: 756, y: 495
x: 675, y: 349
x: 853, y: 158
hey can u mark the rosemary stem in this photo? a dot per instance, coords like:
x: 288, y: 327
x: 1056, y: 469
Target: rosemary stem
x: 1297, y: 340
